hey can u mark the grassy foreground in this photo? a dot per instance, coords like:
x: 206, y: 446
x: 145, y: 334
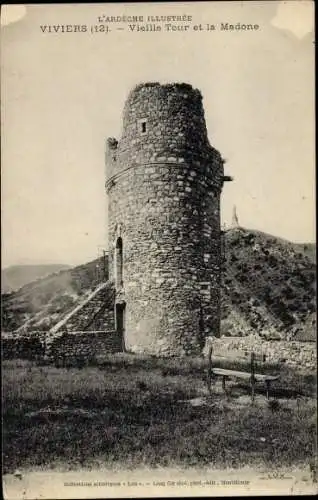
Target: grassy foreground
x: 135, y: 411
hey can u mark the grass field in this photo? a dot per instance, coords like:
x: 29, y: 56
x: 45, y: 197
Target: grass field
x: 137, y: 411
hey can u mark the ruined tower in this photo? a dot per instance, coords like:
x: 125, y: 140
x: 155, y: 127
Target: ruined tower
x: 164, y: 182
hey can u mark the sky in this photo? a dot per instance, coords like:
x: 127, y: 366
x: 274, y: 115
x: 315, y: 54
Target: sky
x: 63, y: 95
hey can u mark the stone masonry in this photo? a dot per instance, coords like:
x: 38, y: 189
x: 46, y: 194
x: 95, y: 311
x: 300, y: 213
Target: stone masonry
x: 88, y: 329
x: 300, y: 355
x: 164, y: 182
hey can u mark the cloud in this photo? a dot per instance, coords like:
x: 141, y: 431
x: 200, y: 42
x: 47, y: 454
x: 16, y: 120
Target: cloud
x: 297, y: 17
x: 12, y: 13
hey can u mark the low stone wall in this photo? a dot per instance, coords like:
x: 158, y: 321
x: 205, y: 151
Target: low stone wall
x: 84, y: 346
x: 302, y: 355
x: 22, y: 347
x: 81, y: 346
x: 87, y: 346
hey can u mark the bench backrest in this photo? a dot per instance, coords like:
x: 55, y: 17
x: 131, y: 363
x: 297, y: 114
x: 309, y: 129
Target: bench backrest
x: 238, y: 354
x: 255, y: 358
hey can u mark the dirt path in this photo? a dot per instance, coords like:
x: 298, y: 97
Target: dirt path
x: 143, y: 482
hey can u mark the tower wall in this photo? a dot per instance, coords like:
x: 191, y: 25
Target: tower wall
x: 164, y: 183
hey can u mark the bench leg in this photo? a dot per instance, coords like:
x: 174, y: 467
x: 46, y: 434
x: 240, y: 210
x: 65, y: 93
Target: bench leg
x: 209, y: 383
x: 223, y: 383
x: 268, y: 384
x: 253, y: 390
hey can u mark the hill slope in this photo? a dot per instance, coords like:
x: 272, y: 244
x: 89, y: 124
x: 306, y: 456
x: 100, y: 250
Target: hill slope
x: 15, y: 277
x: 308, y: 249
x: 268, y: 287
x: 43, y: 303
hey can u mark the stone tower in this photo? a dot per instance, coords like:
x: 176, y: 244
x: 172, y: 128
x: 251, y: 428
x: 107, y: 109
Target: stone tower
x: 164, y: 182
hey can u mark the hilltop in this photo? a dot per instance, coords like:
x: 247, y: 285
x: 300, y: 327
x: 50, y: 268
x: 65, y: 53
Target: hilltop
x: 268, y: 287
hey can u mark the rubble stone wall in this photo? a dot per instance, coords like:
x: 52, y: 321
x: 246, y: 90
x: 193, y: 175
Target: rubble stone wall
x: 96, y: 314
x: 84, y: 345
x: 29, y: 347
x: 302, y: 355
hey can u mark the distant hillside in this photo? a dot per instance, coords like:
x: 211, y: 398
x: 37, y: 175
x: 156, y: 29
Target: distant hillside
x: 14, y: 277
x: 269, y: 287
x: 41, y: 304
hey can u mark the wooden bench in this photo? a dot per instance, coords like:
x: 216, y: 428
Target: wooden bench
x: 252, y: 376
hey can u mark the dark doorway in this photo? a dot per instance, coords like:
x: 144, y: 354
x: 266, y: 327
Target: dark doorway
x: 119, y: 263
x: 120, y: 323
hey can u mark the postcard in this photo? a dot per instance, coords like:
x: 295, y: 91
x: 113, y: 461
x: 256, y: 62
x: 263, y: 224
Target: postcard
x: 158, y: 250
